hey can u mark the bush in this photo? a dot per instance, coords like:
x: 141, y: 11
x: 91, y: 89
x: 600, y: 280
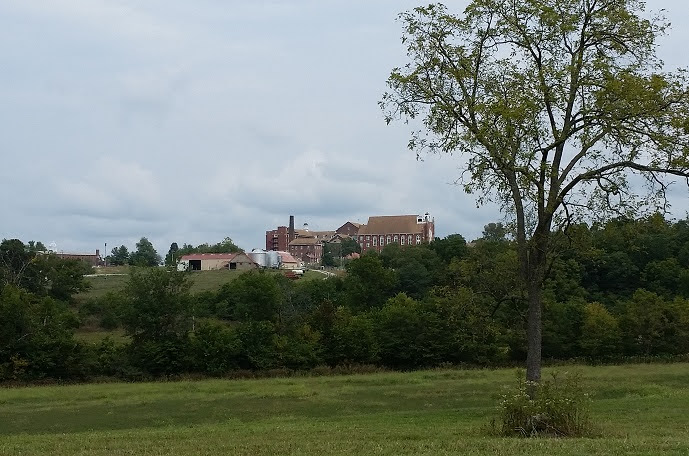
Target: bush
x: 560, y: 408
x: 215, y: 349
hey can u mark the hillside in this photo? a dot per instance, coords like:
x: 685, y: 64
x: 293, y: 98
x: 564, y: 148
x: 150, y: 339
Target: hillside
x: 640, y: 409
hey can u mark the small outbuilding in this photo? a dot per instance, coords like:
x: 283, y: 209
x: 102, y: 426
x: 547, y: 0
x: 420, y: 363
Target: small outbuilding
x: 215, y: 261
x: 287, y: 261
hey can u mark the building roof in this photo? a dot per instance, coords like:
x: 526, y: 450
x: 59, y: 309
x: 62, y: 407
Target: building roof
x: 209, y: 256
x: 286, y: 257
x: 305, y: 241
x: 354, y: 224
x: 340, y: 237
x: 237, y: 256
x: 392, y: 224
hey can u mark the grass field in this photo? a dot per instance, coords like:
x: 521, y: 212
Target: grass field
x: 640, y: 409
x: 114, y: 279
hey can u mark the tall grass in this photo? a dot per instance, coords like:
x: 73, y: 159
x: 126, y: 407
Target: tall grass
x: 640, y: 409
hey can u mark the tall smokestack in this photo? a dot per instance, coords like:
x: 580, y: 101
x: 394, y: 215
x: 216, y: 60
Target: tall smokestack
x: 290, y: 233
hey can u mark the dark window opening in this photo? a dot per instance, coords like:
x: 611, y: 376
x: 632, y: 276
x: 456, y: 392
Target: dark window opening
x: 195, y: 265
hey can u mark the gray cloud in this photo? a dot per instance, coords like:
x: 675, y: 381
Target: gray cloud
x: 192, y: 121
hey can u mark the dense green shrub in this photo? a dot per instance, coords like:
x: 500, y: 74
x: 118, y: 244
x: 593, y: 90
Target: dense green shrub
x: 36, y: 337
x: 300, y: 348
x: 258, y: 345
x: 215, y: 349
x: 353, y: 339
x: 559, y: 408
x: 410, y: 335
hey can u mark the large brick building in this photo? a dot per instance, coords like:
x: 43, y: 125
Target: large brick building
x: 306, y: 248
x: 281, y: 237
x: 89, y: 258
x: 395, y: 229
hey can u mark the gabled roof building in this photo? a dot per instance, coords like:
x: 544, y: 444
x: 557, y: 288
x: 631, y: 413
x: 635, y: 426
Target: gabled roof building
x: 213, y: 261
x: 395, y: 229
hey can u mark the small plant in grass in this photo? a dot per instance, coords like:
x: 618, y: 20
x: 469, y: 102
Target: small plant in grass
x: 559, y: 408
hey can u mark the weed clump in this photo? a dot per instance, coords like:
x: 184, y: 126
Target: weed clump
x: 559, y: 408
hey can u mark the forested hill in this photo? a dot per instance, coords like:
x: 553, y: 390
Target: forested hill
x: 617, y: 290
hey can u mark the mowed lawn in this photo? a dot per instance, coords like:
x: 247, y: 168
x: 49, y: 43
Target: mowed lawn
x: 114, y: 280
x: 640, y: 409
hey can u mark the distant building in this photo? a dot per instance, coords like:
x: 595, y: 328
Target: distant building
x: 92, y: 259
x: 215, y: 261
x: 395, y: 229
x: 350, y: 229
x: 287, y: 261
x: 307, y: 249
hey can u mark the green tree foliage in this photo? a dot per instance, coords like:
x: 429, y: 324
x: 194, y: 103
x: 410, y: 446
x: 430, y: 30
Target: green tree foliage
x: 41, y: 273
x: 353, y: 339
x: 216, y: 349
x: 410, y: 335
x: 62, y: 277
x: 330, y: 250
x: 172, y: 255
x: 224, y: 246
x: 349, y: 246
x: 452, y: 246
x: 119, y: 256
x: 383, y: 312
x: 368, y: 284
x: 15, y: 264
x: 299, y: 348
x: 145, y: 254
x: 36, y: 337
x: 417, y: 267
x: 652, y: 325
x: 157, y: 315
x: 494, y: 232
x: 554, y: 104
x: 253, y: 296
x: 600, y: 332
x: 562, y: 325
x: 36, y: 246
x: 259, y: 342
x: 474, y: 335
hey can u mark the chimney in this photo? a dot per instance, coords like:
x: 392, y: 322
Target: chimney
x: 290, y: 233
x: 97, y: 253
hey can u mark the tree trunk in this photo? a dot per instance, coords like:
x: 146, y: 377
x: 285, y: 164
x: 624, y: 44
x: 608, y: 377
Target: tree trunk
x: 534, y: 330
x: 534, y: 333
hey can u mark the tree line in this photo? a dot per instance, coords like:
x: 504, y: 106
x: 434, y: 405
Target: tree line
x: 146, y: 255
x: 618, y: 290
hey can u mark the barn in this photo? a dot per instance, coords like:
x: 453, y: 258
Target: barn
x: 215, y: 261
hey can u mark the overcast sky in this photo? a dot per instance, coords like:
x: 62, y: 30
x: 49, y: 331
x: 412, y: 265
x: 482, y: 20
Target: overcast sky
x: 189, y: 121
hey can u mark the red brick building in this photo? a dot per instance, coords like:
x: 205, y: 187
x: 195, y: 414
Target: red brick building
x: 308, y: 249
x: 395, y: 229
x: 89, y: 258
x: 277, y: 239
x: 350, y: 229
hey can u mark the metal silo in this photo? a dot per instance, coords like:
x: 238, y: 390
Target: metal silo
x: 259, y: 256
x: 272, y: 259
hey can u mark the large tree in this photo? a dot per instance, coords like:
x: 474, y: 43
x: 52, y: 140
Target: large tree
x: 119, y: 256
x: 145, y: 254
x: 558, y: 108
